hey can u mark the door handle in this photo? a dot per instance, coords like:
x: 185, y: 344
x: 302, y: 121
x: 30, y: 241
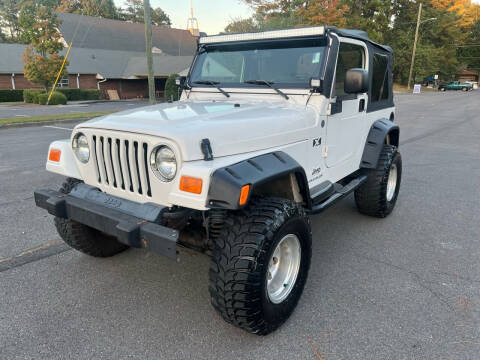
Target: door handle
x: 361, y: 105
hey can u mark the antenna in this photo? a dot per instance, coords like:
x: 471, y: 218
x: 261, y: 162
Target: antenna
x: 192, y: 23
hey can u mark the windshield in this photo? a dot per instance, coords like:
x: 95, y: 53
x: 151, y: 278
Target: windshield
x: 285, y: 63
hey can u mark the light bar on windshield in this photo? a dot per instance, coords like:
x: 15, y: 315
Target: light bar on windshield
x: 274, y: 34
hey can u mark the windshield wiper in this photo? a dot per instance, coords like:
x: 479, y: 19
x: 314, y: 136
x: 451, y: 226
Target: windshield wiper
x: 269, y: 84
x: 212, y: 83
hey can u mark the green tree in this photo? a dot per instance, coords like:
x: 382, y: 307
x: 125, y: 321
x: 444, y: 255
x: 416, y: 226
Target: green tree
x: 372, y: 16
x: 134, y: 12
x: 469, y: 52
x: 69, y: 6
x: 241, y: 25
x: 435, y: 54
x: 172, y: 91
x: 160, y: 18
x: 99, y: 8
x: 39, y: 25
x: 321, y: 12
x: 9, y: 25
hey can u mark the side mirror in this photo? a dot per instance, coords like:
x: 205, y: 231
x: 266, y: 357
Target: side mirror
x: 180, y: 81
x: 315, y: 83
x: 356, y: 81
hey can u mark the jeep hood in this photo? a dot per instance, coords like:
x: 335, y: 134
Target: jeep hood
x: 232, y: 128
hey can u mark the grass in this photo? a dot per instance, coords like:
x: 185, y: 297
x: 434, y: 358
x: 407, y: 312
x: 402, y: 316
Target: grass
x: 12, y: 103
x: 56, y: 117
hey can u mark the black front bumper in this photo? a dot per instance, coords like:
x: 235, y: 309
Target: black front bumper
x: 112, y: 215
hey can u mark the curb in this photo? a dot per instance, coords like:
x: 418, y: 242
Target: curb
x: 39, y: 123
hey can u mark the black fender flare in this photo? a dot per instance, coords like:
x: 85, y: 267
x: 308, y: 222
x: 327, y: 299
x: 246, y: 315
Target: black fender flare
x: 227, y: 182
x: 376, y: 139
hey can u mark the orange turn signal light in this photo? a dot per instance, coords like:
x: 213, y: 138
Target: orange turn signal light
x: 244, y: 194
x: 54, y: 155
x: 191, y: 184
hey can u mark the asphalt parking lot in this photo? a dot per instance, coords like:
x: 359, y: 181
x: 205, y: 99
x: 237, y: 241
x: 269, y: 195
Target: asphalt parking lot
x: 405, y: 287
x: 23, y: 110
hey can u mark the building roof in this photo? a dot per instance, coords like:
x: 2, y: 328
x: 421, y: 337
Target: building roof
x: 162, y: 65
x: 113, y: 64
x: 99, y: 33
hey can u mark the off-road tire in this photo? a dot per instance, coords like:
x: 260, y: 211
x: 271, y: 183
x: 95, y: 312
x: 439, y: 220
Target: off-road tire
x: 371, y: 196
x: 239, y: 265
x: 84, y: 238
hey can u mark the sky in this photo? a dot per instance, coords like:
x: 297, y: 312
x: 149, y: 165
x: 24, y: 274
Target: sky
x: 213, y: 15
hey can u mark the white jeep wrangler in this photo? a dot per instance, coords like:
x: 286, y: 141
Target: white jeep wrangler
x: 270, y: 127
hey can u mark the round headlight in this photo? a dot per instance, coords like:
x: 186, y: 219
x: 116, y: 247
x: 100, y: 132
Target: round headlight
x: 80, y: 147
x: 163, y: 163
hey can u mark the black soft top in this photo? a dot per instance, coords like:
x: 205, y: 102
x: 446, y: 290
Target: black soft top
x: 356, y: 34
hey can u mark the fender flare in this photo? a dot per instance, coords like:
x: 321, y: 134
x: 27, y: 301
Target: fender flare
x: 226, y: 182
x: 375, y: 141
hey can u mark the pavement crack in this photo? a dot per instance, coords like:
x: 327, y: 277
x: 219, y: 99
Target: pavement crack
x: 418, y: 279
x: 464, y: 278
x: 31, y: 255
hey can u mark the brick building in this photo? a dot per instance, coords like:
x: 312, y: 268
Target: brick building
x: 108, y: 55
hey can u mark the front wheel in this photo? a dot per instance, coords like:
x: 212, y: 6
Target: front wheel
x: 260, y: 264
x: 442, y: 89
x: 464, y: 89
x: 378, y: 195
x: 84, y: 238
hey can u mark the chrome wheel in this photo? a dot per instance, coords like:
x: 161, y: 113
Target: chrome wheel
x: 283, y: 268
x: 392, y: 182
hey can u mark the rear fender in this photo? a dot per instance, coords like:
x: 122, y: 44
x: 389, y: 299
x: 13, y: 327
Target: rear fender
x: 382, y: 132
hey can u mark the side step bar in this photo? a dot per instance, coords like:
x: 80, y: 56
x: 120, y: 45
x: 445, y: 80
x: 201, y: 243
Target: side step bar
x: 340, y: 193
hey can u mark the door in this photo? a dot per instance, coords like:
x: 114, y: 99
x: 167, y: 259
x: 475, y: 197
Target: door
x: 345, y: 125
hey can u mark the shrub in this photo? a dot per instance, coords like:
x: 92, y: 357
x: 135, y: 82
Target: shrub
x: 171, y: 90
x: 80, y: 94
x: 56, y: 99
x: 8, y: 95
x: 31, y: 95
x: 91, y: 94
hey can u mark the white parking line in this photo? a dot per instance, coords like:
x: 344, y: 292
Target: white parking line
x: 57, y: 127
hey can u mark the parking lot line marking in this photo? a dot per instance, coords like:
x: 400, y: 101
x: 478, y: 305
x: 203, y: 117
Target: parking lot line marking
x: 40, y: 252
x: 57, y: 127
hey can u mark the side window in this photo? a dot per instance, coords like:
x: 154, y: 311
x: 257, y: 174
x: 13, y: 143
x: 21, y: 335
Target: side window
x: 380, y: 86
x: 349, y: 56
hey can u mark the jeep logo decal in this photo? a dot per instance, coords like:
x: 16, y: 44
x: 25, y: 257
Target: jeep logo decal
x: 317, y: 142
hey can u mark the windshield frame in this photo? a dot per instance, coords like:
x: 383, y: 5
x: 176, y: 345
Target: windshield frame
x: 292, y: 42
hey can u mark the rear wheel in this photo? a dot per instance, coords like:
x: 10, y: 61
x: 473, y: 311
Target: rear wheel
x: 84, y: 238
x: 260, y: 264
x: 378, y: 195
x: 464, y: 88
x: 442, y: 89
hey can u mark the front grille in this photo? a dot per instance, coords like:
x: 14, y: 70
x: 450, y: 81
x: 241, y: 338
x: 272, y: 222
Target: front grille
x: 122, y: 164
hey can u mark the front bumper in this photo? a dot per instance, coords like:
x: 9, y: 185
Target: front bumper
x: 136, y: 225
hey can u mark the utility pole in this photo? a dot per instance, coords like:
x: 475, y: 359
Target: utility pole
x: 414, y: 46
x: 148, y: 51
